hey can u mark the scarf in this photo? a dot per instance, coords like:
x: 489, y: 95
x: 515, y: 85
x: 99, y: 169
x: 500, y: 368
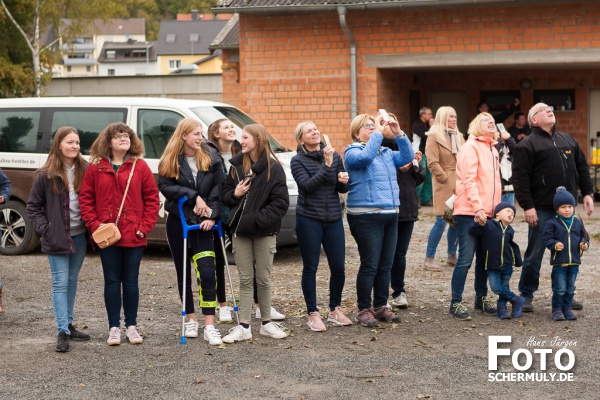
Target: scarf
x: 453, y: 140
x: 567, y: 221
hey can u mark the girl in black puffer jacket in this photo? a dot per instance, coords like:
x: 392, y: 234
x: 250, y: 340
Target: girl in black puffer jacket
x: 190, y: 168
x: 257, y: 194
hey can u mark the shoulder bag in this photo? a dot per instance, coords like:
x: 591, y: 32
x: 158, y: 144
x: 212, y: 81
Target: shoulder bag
x: 108, y: 234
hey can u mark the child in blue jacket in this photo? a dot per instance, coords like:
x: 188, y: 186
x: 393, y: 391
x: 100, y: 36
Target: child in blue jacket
x: 565, y: 237
x: 501, y: 254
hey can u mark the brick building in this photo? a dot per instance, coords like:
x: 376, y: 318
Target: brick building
x: 325, y: 61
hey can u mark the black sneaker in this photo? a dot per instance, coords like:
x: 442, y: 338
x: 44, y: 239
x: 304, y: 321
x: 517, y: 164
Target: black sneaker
x: 62, y: 344
x: 78, y: 335
x: 576, y: 305
x: 528, y: 305
x: 485, y: 306
x: 458, y: 310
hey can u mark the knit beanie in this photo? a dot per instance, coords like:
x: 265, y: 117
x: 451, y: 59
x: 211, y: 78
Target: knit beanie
x: 502, y: 206
x: 563, y: 197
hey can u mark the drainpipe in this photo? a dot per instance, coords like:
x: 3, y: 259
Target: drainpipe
x: 354, y: 104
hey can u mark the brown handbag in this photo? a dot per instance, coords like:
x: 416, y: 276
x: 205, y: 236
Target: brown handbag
x: 108, y: 234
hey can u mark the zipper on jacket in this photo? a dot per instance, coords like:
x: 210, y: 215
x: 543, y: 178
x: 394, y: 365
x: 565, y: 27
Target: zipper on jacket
x: 562, y: 163
x: 498, y: 171
x: 568, y: 238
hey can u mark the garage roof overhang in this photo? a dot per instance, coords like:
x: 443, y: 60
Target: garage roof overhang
x: 270, y: 7
x: 489, y: 60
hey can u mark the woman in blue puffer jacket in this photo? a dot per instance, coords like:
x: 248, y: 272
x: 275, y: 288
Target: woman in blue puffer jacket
x: 373, y: 204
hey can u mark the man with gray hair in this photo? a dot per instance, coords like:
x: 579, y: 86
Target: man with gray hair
x: 543, y: 161
x: 419, y: 130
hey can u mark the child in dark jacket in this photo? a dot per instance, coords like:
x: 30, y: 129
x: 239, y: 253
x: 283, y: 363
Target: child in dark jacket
x: 501, y: 253
x: 565, y: 237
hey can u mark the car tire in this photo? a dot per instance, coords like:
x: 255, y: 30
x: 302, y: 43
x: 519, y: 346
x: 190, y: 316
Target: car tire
x: 18, y: 235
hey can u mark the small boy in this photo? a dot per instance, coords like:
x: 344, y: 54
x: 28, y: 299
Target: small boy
x: 565, y: 237
x: 500, y: 252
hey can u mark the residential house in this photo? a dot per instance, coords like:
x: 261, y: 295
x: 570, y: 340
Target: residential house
x: 183, y: 47
x: 80, y: 55
x: 328, y: 61
x: 127, y: 58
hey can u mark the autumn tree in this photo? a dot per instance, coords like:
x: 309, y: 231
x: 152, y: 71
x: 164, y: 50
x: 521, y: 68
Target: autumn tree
x: 32, y: 17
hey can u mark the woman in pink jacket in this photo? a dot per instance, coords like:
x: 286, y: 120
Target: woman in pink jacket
x: 478, y: 191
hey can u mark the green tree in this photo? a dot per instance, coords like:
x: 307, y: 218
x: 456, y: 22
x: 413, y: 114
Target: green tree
x: 31, y: 17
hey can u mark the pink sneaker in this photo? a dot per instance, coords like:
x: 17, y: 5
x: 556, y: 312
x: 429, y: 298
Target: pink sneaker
x: 337, y: 317
x: 133, y: 336
x: 315, y: 323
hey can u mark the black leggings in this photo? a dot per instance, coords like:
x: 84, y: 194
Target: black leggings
x: 220, y: 264
x: 200, y: 248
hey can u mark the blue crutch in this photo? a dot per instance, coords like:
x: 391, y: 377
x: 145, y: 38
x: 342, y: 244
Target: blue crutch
x: 186, y: 229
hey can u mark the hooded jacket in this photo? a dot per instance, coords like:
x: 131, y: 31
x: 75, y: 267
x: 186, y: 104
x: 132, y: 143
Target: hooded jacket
x: 102, y: 192
x: 372, y: 170
x: 478, y: 184
x: 318, y: 184
x: 259, y: 212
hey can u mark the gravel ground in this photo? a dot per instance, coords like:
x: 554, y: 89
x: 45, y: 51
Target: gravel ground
x: 428, y: 355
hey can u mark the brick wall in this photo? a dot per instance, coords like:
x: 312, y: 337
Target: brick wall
x: 297, y: 67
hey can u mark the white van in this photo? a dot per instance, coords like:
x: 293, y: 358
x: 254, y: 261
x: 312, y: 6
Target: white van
x: 27, y: 126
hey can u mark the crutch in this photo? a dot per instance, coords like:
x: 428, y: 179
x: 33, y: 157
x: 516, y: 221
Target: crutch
x: 186, y: 229
x: 219, y: 228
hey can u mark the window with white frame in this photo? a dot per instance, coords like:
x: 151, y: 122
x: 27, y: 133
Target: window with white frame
x: 174, y: 64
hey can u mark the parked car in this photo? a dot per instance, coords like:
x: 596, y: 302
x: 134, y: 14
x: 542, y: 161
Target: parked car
x: 27, y: 126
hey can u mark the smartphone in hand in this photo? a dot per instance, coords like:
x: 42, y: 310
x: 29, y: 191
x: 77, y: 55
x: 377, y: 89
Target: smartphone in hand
x: 501, y: 128
x: 384, y: 115
x: 327, y: 141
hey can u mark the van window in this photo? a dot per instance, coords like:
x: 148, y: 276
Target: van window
x: 155, y: 128
x: 19, y: 130
x: 88, y: 122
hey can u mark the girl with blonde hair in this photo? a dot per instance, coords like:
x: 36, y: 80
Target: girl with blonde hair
x: 189, y: 167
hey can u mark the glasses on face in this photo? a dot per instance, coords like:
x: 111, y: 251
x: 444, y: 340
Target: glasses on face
x: 543, y: 109
x: 368, y: 126
x: 120, y: 136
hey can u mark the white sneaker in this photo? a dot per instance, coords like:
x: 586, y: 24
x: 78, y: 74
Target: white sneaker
x: 275, y: 315
x: 225, y: 314
x: 191, y: 329
x: 212, y: 335
x: 133, y: 336
x: 400, y: 301
x: 237, y: 334
x: 273, y: 329
x: 114, y: 336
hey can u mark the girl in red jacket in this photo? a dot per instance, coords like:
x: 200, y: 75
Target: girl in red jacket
x: 112, y: 158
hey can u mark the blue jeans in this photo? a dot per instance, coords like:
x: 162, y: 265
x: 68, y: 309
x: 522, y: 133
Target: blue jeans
x: 508, y: 197
x: 532, y: 261
x: 121, y: 267
x: 500, y: 283
x: 563, y: 285
x: 467, y: 247
x: 311, y: 234
x: 405, y: 229
x: 437, y: 230
x: 65, y: 273
x: 376, y: 236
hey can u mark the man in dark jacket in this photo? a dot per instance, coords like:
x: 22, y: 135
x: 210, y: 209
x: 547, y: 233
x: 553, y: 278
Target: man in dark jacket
x: 543, y: 161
